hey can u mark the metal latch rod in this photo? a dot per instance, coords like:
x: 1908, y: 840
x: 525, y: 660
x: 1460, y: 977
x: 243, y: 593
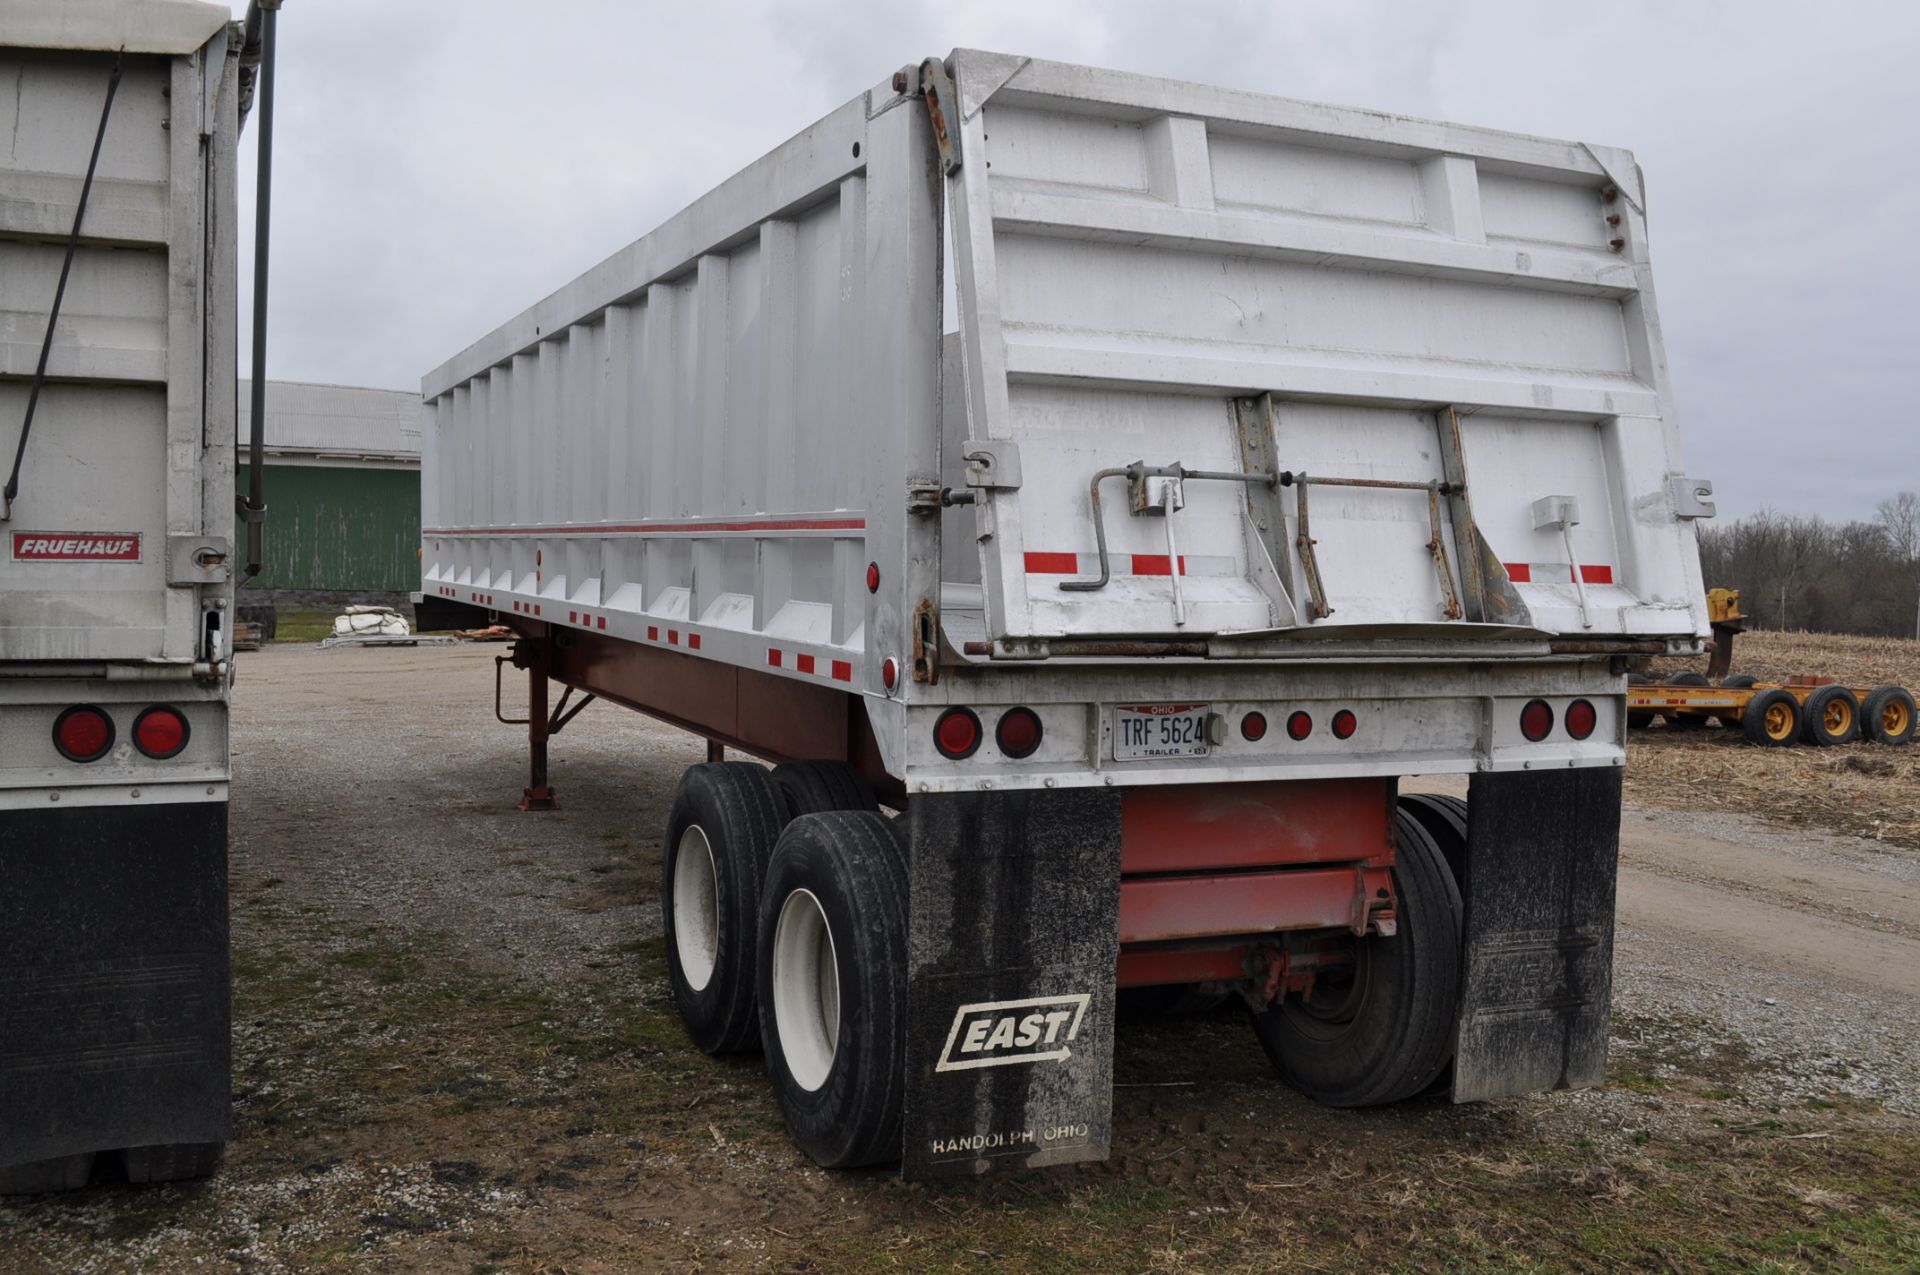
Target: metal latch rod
x: 1436, y: 543
x: 1137, y: 474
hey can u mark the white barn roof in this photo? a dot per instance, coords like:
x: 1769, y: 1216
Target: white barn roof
x: 336, y: 424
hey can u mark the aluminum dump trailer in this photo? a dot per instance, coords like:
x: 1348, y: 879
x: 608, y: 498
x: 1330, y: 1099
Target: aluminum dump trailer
x: 1270, y: 452
x: 115, y: 590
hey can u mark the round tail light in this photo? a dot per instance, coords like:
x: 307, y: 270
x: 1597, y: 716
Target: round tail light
x: 160, y: 733
x: 1018, y: 733
x: 957, y: 733
x: 873, y: 577
x: 1344, y: 724
x: 1581, y: 719
x: 83, y: 733
x: 1299, y: 725
x: 1253, y: 727
x: 1536, y: 720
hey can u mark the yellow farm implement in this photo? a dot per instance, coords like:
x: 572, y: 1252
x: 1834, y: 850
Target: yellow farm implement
x: 1803, y: 710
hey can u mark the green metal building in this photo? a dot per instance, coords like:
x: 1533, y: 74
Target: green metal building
x: 342, y: 480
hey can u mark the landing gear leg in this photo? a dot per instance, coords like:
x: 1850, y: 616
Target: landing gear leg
x: 536, y: 656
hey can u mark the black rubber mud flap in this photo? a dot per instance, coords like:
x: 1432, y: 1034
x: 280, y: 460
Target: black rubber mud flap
x: 113, y: 984
x: 1014, y: 933
x: 1542, y: 853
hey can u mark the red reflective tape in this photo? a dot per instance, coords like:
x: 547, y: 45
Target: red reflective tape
x: 842, y: 671
x: 1053, y: 564
x: 773, y: 657
x: 573, y: 617
x: 1156, y: 564
x: 602, y: 621
x: 536, y: 608
x: 673, y: 637
x: 805, y: 663
x: 693, y: 641
x: 1596, y: 575
x: 653, y: 633
x: 1520, y: 572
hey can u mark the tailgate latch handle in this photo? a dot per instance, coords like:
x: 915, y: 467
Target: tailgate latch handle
x: 1147, y: 497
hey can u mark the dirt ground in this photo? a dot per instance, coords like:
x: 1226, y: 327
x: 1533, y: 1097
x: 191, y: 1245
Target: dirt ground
x: 455, y: 1050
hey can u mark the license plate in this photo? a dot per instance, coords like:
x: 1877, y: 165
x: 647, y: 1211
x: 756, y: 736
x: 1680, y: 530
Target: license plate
x: 1151, y: 732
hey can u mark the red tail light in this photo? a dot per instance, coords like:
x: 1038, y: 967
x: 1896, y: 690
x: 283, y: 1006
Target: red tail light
x: 1536, y: 720
x: 1344, y: 724
x: 83, y: 733
x: 1299, y: 725
x: 1253, y: 727
x: 957, y: 733
x: 160, y: 733
x: 1018, y: 733
x: 1581, y: 719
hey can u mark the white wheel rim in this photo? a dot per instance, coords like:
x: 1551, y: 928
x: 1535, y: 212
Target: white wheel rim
x: 696, y: 908
x: 806, y: 990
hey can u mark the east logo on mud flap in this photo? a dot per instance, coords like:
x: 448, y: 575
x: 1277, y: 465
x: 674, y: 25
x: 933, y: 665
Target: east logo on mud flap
x: 999, y: 1033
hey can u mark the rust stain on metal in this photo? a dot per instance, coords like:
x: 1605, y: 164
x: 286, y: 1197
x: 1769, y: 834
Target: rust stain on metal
x: 926, y: 643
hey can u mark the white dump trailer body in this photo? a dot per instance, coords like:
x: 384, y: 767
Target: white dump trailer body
x: 1276, y: 451
x: 115, y: 583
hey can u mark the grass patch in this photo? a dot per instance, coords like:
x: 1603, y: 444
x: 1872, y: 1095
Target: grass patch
x: 303, y: 625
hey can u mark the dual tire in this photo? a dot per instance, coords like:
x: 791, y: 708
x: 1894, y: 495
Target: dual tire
x: 784, y: 911
x: 1384, y: 1030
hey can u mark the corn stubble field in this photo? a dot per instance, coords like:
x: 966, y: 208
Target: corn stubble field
x: 456, y: 1051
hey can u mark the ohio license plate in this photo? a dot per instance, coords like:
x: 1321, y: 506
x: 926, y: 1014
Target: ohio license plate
x: 1150, y: 732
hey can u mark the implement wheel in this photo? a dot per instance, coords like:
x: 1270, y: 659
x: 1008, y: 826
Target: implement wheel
x: 1739, y: 681
x: 1382, y: 1030
x: 1830, y: 716
x: 1887, y: 717
x: 833, y: 985
x: 725, y: 819
x: 1771, y: 719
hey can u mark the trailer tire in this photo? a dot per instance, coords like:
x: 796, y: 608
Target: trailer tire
x: 1887, y: 715
x: 725, y: 819
x: 1387, y: 1033
x: 814, y: 787
x: 832, y: 974
x: 1830, y: 716
x: 1771, y: 719
x: 1445, y: 819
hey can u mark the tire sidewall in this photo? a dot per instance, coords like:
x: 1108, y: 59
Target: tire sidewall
x: 863, y: 1088
x: 721, y: 1015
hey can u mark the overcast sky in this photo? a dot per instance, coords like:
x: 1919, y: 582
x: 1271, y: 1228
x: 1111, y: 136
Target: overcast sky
x: 442, y: 164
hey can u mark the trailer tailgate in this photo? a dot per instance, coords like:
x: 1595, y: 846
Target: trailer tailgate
x: 1417, y: 364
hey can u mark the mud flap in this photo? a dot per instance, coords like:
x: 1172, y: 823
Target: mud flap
x: 1013, y: 938
x: 113, y: 986
x: 1542, y: 853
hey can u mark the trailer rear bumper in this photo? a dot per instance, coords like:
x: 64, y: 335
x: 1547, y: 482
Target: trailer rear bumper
x: 114, y: 980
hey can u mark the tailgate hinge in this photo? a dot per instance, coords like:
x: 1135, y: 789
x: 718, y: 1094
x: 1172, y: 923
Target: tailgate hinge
x: 930, y: 80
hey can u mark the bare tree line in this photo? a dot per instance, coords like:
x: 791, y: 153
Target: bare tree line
x: 1808, y: 573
